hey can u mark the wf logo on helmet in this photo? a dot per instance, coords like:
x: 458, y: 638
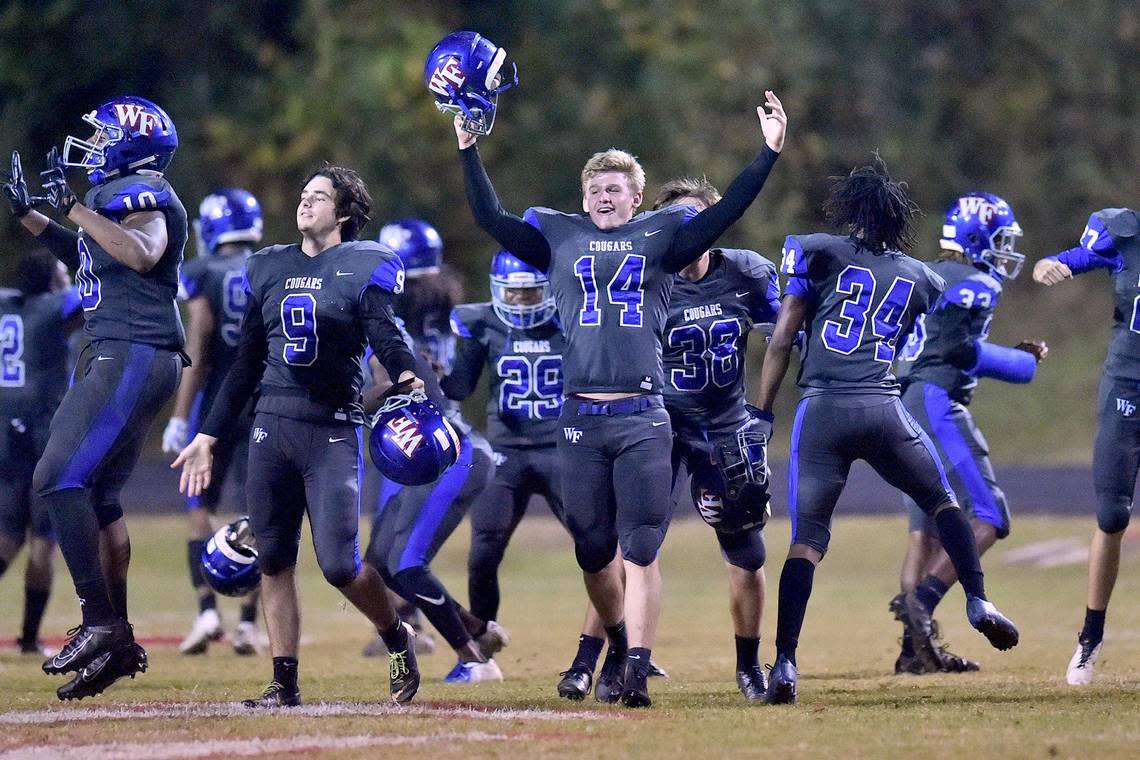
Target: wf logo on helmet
x: 979, y: 207
x: 132, y: 116
x: 406, y: 434
x: 448, y: 79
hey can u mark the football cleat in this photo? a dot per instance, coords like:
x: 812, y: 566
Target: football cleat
x: 403, y: 670
x: 781, y: 683
x: 425, y: 644
x: 656, y: 671
x: 987, y: 619
x: 751, y: 683
x: 913, y: 614
x: 86, y: 643
x: 474, y: 672
x: 575, y: 683
x: 909, y: 663
x: 1082, y: 667
x: 951, y: 663
x: 207, y: 627
x: 245, y: 639
x: 275, y: 695
x: 492, y: 640
x: 98, y: 675
x: 635, y: 691
x: 610, y: 683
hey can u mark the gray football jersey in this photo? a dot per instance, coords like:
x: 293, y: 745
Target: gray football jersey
x: 119, y: 302
x: 33, y: 351
x: 1123, y: 225
x: 706, y: 336
x: 861, y: 304
x: 221, y: 281
x: 963, y: 315
x: 524, y: 367
x: 612, y: 294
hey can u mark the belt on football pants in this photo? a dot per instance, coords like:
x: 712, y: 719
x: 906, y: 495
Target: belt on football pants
x: 631, y: 405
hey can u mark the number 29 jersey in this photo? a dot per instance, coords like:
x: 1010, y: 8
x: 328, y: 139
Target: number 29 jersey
x: 861, y: 303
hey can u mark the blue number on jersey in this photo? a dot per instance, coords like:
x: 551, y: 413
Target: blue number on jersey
x: 915, y: 342
x: 299, y: 321
x: 234, y: 299
x: 530, y: 388
x: 11, y: 349
x: 705, y: 355
x: 845, y: 335
x: 624, y: 290
x: 85, y: 279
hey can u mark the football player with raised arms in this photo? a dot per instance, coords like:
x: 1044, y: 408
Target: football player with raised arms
x: 938, y: 368
x: 1110, y: 241
x: 311, y: 309
x: 718, y: 460
x: 126, y: 254
x: 611, y: 273
x: 229, y: 222
x: 856, y: 295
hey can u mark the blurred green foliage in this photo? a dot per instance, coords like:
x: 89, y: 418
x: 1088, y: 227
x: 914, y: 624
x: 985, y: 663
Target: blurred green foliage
x: 1034, y: 100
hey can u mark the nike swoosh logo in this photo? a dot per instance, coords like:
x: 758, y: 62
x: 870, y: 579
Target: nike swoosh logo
x: 648, y: 234
x: 741, y: 295
x: 429, y: 600
x: 343, y: 274
x: 659, y: 424
x: 61, y: 661
x: 337, y: 440
x: 634, y: 656
x: 103, y: 358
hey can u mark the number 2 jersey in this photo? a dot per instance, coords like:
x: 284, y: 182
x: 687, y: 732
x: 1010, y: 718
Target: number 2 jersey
x: 963, y: 315
x: 118, y: 302
x: 221, y: 281
x: 524, y: 369
x: 706, y: 336
x: 861, y: 303
x: 33, y: 352
x: 1111, y: 241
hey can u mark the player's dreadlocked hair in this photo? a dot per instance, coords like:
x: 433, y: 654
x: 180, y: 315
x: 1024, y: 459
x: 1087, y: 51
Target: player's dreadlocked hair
x: 352, y: 198
x: 873, y: 207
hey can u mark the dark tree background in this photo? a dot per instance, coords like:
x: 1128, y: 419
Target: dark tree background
x: 1036, y: 101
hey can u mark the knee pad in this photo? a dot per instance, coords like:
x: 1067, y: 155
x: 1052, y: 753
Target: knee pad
x: 743, y: 550
x: 641, y: 544
x: 108, y: 512
x: 274, y: 554
x: 595, y: 552
x: 1113, y: 513
x: 341, y: 571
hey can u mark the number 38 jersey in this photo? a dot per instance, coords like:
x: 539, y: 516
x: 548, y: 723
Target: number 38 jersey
x: 706, y: 336
x: 525, y: 373
x: 861, y: 303
x: 118, y: 302
x: 963, y: 315
x: 612, y: 294
x: 312, y: 309
x: 221, y: 281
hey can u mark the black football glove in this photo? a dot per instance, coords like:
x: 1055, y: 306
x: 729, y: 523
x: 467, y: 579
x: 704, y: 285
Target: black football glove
x: 16, y: 190
x: 59, y: 193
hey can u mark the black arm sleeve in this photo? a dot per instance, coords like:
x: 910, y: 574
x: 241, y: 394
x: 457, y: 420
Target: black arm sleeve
x: 470, y: 356
x: 244, y: 374
x: 62, y: 242
x: 383, y: 334
x: 698, y: 235
x: 511, y: 232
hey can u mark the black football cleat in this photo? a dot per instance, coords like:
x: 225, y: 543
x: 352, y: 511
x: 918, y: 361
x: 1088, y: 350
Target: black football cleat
x: 275, y: 695
x: 987, y: 619
x: 611, y: 680
x: 781, y: 683
x: 575, y: 683
x: 751, y: 683
x: 98, y: 675
x: 656, y: 671
x: 913, y: 614
x: 635, y: 691
x: 403, y: 670
x: 952, y: 663
x: 86, y: 643
x: 908, y: 663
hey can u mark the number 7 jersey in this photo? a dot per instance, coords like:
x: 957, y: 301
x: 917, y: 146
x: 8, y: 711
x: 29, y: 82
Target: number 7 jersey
x: 861, y: 303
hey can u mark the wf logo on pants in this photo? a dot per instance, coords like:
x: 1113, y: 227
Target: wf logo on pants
x: 1125, y: 407
x: 572, y: 434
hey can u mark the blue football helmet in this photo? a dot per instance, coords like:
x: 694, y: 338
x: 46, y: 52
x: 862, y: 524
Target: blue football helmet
x: 131, y: 134
x: 229, y: 560
x: 231, y: 215
x: 465, y: 73
x: 510, y: 273
x: 981, y: 226
x: 416, y: 242
x: 412, y: 443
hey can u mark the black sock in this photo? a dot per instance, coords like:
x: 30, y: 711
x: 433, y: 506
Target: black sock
x: 1093, y: 631
x: 77, y: 532
x: 3, y: 567
x: 35, y: 602
x: 795, y: 590
x: 907, y: 644
x: 958, y: 541
x: 396, y: 637
x: 197, y: 580
x: 285, y: 672
x: 589, y: 649
x: 418, y: 583
x: 617, y: 636
x: 638, y: 659
x: 747, y: 652
x: 931, y: 591
x: 248, y: 612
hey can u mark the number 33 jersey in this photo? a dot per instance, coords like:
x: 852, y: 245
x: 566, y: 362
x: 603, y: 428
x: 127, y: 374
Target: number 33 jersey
x: 861, y: 303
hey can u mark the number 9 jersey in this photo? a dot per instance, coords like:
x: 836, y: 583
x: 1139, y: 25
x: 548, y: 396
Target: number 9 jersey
x: 861, y: 304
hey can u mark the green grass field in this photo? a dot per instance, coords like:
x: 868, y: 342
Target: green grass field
x: 850, y: 705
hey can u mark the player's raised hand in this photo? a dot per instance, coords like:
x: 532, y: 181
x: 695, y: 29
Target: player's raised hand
x: 466, y: 139
x: 1035, y: 347
x: 774, y: 124
x: 1049, y: 272
x: 197, y: 462
x: 54, y: 178
x: 16, y: 189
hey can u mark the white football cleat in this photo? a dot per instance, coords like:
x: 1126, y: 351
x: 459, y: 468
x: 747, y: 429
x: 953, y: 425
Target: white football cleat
x: 493, y: 640
x: 246, y: 639
x: 1082, y: 668
x: 474, y: 672
x: 207, y: 627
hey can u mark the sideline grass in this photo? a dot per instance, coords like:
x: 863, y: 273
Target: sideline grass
x: 850, y: 706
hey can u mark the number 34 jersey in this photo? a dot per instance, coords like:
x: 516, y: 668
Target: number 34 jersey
x: 861, y: 304
x: 525, y: 373
x: 706, y: 336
